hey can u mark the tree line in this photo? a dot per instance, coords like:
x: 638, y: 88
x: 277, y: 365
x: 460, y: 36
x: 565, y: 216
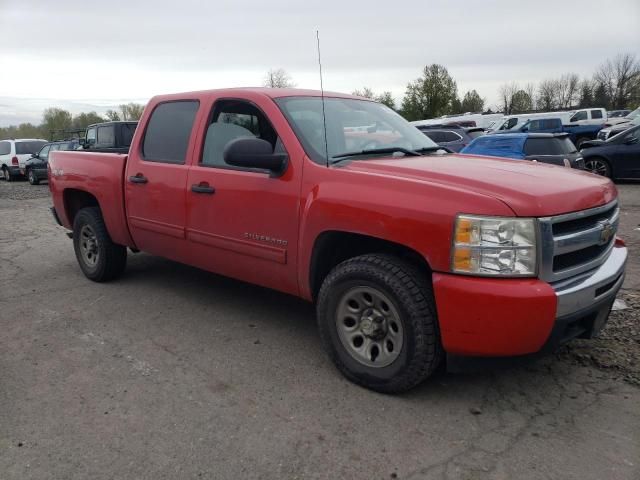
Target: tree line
x: 59, y: 124
x: 614, y: 85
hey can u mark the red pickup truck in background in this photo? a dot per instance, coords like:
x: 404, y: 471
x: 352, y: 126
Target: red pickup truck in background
x: 409, y: 252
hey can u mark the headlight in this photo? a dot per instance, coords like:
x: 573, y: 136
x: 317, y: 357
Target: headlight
x: 494, y: 246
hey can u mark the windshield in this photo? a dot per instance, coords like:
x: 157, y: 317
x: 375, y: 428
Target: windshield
x: 634, y: 115
x: 352, y: 126
x: 23, y: 148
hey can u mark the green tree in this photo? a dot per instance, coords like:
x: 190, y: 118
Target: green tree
x: 521, y: 102
x: 385, y: 97
x: 586, y: 95
x: 601, y: 97
x: 131, y: 111
x: 431, y: 95
x: 472, y: 102
x: 55, y: 121
x: 112, y: 115
x: 83, y: 120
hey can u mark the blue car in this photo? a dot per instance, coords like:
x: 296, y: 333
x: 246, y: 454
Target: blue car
x: 553, y: 148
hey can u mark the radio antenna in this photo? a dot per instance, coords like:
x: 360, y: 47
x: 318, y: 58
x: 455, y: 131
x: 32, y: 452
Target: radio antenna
x: 324, y: 116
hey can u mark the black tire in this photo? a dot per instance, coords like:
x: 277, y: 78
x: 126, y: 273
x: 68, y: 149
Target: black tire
x: 410, y: 292
x: 109, y: 258
x: 7, y: 175
x: 32, y: 177
x: 598, y: 165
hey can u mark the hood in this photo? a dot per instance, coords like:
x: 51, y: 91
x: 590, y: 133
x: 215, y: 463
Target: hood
x: 528, y: 188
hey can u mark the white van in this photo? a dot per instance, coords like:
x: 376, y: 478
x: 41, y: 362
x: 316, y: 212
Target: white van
x: 584, y: 116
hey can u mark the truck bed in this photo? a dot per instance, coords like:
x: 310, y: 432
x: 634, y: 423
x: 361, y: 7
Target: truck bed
x: 103, y: 174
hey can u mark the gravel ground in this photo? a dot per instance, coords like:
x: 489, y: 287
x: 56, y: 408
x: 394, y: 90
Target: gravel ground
x: 21, y: 190
x: 172, y: 372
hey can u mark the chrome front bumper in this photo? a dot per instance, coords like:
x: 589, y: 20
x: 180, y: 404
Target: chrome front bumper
x: 597, y: 287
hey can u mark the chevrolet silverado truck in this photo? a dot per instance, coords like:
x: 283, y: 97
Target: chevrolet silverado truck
x: 409, y: 253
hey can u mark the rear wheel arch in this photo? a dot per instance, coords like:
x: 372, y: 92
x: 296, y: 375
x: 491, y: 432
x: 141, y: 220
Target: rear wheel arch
x: 335, y: 246
x: 75, y: 200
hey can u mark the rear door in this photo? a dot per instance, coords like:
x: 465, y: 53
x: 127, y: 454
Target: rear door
x: 156, y: 178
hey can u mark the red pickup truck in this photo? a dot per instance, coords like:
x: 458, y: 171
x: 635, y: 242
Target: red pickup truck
x: 408, y: 251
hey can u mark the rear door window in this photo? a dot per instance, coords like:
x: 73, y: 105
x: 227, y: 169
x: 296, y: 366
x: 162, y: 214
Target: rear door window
x: 106, y: 136
x: 450, y: 137
x: 435, y: 136
x: 596, y: 113
x: 5, y: 148
x: 168, y: 131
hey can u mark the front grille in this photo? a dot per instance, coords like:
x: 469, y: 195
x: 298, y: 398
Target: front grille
x: 577, y: 242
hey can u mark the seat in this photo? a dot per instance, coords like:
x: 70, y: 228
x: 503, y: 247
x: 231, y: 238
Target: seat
x: 218, y: 135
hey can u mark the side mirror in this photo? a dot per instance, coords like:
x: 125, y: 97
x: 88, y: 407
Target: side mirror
x: 249, y: 152
x: 82, y: 142
x: 34, y: 155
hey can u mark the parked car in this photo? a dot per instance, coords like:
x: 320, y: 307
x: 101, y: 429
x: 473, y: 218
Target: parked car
x: 617, y: 113
x: 466, y: 120
x: 35, y: 168
x: 553, y: 148
x: 585, y: 116
x: 15, y: 153
x: 577, y: 133
x: 454, y: 138
x: 613, y: 130
x: 626, y: 119
x: 407, y: 251
x: 616, y: 158
x: 109, y: 137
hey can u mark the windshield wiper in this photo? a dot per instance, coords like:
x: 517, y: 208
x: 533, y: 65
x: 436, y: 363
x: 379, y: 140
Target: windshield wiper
x: 406, y: 151
x: 433, y: 149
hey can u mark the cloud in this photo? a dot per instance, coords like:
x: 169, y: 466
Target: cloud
x: 124, y: 49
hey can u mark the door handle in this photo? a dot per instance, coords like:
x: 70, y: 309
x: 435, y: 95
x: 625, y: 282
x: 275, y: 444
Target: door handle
x: 203, y: 188
x: 138, y: 178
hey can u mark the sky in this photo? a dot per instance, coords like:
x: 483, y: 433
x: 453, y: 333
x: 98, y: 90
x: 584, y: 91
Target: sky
x: 89, y: 55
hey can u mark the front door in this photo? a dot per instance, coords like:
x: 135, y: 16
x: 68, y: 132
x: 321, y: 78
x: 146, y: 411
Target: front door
x: 628, y: 155
x: 156, y: 178
x: 241, y: 222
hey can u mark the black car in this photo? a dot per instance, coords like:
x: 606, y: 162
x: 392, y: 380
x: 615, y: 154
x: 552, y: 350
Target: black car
x: 617, y: 158
x: 453, y: 137
x: 110, y: 137
x: 36, y: 167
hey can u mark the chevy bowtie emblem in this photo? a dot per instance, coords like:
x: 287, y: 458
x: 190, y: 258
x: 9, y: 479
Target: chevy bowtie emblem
x: 607, y: 232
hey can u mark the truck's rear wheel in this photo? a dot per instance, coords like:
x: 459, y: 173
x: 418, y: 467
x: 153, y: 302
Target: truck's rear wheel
x: 7, y: 174
x: 377, y: 321
x: 99, y: 258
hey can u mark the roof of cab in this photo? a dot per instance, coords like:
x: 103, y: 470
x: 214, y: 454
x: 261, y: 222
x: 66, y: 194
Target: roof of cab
x: 266, y: 91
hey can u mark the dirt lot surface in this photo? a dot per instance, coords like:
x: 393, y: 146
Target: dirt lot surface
x: 171, y: 372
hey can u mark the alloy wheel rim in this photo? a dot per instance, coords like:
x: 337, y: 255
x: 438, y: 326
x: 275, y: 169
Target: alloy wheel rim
x: 369, y: 327
x: 597, y: 166
x: 89, y: 246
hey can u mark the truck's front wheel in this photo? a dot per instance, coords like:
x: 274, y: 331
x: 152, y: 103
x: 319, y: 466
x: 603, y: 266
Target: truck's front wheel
x: 377, y: 321
x: 99, y: 258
